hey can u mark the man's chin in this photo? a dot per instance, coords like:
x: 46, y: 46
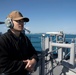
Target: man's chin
x: 19, y: 30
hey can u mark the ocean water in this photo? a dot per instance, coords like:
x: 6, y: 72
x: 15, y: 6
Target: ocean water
x: 36, y: 39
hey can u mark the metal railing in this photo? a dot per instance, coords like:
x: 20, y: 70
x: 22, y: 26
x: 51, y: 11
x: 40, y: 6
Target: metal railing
x: 47, y: 60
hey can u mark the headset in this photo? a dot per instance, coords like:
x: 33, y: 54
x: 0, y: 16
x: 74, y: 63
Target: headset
x: 9, y: 23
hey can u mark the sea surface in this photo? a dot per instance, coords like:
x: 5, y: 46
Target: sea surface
x: 36, y: 39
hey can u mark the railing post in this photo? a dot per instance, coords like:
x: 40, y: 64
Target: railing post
x: 60, y: 54
x: 50, y: 56
x: 72, y: 54
x: 46, y: 54
x: 43, y: 55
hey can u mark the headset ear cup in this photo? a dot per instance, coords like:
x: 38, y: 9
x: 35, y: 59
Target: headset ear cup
x: 9, y: 23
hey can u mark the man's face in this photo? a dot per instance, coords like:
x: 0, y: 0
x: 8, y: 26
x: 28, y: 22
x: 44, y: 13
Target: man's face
x: 18, y: 25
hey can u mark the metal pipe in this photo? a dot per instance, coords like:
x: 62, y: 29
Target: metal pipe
x: 72, y: 54
x: 61, y: 45
x: 43, y: 53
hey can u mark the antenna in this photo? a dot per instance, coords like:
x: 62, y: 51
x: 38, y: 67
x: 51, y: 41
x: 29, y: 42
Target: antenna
x: 2, y: 22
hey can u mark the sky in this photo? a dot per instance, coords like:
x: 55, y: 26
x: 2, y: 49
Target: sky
x: 45, y: 15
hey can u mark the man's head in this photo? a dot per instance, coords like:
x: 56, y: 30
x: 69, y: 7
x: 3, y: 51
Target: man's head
x: 15, y: 20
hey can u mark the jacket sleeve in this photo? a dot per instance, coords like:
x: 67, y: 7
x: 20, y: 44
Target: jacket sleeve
x: 6, y: 65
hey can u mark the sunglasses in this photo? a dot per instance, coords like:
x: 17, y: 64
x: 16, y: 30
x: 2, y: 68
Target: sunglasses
x: 19, y: 21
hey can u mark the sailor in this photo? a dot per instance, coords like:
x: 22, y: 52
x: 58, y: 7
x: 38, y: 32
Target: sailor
x: 17, y: 54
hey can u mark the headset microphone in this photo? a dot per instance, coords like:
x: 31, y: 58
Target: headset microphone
x: 27, y: 30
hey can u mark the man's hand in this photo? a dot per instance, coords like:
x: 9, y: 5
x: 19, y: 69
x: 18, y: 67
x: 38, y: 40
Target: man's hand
x: 30, y: 64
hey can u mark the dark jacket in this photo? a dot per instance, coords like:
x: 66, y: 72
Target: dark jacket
x: 13, y: 50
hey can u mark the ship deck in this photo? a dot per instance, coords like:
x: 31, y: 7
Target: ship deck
x: 58, y: 69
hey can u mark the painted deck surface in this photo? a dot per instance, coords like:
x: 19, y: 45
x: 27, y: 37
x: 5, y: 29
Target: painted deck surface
x: 60, y: 69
